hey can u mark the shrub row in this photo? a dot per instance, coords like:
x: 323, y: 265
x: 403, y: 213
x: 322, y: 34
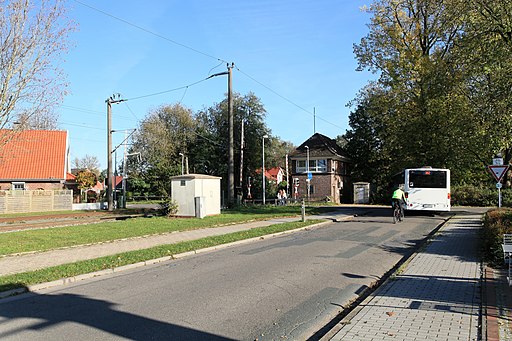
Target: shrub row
x: 479, y: 196
x: 496, y: 223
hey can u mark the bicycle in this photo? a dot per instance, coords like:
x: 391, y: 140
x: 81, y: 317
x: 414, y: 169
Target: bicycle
x: 398, y: 214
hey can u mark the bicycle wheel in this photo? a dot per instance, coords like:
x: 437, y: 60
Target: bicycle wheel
x: 396, y: 214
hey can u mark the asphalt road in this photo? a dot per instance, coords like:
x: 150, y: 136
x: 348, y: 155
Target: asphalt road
x: 286, y: 287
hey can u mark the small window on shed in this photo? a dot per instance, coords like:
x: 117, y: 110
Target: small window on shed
x: 183, y: 183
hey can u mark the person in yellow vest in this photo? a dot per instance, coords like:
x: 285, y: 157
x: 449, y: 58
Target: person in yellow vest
x: 398, y: 197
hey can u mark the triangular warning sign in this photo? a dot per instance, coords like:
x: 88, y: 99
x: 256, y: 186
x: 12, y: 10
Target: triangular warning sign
x: 498, y: 172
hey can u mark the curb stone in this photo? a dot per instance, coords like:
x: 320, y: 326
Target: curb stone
x: 78, y: 278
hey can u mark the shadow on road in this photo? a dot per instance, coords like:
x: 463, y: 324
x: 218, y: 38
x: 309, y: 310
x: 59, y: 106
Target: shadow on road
x: 52, y: 310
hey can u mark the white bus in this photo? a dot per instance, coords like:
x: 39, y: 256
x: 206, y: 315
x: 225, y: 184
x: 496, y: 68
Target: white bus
x: 427, y: 189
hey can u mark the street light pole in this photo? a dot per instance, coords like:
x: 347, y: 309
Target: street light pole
x: 263, y: 165
x: 182, y: 161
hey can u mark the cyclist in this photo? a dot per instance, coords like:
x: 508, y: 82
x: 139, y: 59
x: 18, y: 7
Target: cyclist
x: 399, y: 198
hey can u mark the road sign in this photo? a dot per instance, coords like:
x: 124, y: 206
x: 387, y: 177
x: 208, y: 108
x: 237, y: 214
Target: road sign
x: 497, y: 161
x: 499, y: 185
x: 310, y: 176
x: 498, y: 171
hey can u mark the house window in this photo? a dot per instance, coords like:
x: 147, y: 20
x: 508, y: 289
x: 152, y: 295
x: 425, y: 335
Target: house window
x: 315, y: 166
x: 301, y: 166
x: 321, y: 166
x: 18, y: 185
x: 183, y: 183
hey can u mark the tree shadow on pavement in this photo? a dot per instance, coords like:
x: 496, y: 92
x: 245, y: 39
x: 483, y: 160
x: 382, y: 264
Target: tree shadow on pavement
x: 37, y: 312
x: 435, y: 293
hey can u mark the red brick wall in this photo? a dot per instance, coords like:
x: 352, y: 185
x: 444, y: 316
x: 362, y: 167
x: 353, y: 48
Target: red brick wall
x: 323, y: 184
x: 47, y: 186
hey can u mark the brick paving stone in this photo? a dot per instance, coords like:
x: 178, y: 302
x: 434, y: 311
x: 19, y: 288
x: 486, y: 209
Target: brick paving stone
x: 435, y: 297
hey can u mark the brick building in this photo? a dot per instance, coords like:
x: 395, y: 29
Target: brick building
x: 329, y: 169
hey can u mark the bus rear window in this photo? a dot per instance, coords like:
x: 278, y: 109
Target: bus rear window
x: 427, y: 179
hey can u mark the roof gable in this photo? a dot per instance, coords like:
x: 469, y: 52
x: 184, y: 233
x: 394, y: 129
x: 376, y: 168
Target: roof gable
x: 320, y: 146
x: 33, y: 154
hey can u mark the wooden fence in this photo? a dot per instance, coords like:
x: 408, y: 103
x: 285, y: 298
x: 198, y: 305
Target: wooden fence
x: 35, y: 201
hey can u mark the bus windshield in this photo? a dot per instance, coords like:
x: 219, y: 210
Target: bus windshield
x: 427, y: 179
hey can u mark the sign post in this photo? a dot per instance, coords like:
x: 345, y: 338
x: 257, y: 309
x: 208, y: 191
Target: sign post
x: 498, y: 171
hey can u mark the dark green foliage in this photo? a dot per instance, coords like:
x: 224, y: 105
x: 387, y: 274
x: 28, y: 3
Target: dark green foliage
x: 442, y: 97
x: 496, y: 223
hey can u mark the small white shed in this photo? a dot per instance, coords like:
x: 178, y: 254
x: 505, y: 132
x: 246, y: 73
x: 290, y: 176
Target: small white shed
x: 197, y: 195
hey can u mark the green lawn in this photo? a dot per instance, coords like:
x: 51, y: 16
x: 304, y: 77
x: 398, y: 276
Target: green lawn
x: 48, y: 239
x: 52, y: 238
x: 69, y: 270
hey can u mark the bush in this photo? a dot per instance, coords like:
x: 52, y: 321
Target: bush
x: 468, y: 195
x: 168, y: 207
x: 496, y: 223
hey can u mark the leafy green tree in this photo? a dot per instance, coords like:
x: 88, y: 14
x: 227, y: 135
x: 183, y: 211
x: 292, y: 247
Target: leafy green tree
x: 418, y: 111
x: 86, y: 180
x: 165, y: 133
x: 209, y: 153
x: 485, y: 55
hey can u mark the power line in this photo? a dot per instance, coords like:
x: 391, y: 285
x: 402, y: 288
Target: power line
x: 82, y: 126
x: 89, y: 140
x: 93, y: 112
x: 286, y: 99
x: 204, y: 54
x: 82, y: 109
x: 129, y: 109
x: 167, y: 91
x: 150, y: 32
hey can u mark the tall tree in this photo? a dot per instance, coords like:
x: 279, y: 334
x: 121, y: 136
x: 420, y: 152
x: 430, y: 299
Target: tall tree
x: 162, y: 136
x: 485, y: 54
x: 425, y: 120
x: 210, y: 151
x: 33, y: 36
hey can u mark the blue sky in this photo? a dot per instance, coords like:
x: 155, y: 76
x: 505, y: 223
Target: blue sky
x: 295, y: 55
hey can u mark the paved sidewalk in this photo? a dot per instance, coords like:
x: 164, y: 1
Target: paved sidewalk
x: 435, y: 297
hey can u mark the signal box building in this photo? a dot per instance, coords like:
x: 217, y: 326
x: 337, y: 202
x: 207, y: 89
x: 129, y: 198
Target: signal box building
x: 327, y: 173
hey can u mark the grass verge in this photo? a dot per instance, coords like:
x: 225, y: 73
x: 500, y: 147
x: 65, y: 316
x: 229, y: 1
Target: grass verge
x: 53, y: 238
x: 74, y: 269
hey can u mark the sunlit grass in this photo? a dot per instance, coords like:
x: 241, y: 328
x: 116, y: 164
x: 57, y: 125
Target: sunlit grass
x: 53, y: 238
x: 74, y: 269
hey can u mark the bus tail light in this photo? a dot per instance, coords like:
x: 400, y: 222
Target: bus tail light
x: 406, y: 195
x: 449, y: 196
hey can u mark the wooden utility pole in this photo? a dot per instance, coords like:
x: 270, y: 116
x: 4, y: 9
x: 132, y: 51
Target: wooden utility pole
x: 241, y: 158
x: 231, y: 157
x: 231, y: 154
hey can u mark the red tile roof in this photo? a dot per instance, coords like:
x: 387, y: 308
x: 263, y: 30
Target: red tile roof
x: 274, y: 172
x: 33, y: 154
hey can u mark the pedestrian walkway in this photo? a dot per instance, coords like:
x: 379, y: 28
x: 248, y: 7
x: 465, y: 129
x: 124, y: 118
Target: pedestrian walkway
x: 435, y: 297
